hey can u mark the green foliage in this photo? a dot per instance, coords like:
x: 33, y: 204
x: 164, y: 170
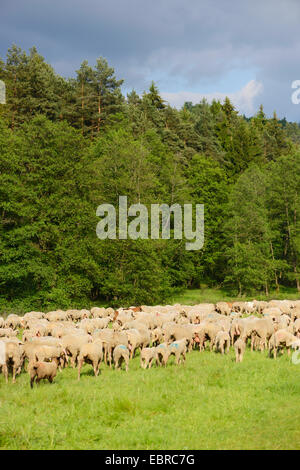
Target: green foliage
x: 68, y: 145
x: 46, y: 214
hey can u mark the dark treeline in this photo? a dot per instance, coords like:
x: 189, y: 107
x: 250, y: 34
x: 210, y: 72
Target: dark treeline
x: 67, y: 146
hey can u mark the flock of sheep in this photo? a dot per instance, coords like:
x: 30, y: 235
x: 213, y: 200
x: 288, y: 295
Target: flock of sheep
x: 51, y: 340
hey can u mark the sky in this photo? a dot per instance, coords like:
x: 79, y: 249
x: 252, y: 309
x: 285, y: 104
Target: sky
x: 248, y: 50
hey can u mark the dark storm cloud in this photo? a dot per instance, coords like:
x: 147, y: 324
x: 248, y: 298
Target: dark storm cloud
x: 184, y: 46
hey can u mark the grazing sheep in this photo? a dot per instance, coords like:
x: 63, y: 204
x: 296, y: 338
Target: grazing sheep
x: 239, y: 346
x: 280, y: 339
x: 72, y: 344
x: 13, y: 321
x: 179, y: 350
x: 207, y: 331
x: 8, y: 332
x: 42, y: 370
x: 148, y: 355
x: 137, y: 339
x: 296, y: 328
x: 13, y: 359
x: 35, y: 351
x: 223, y: 307
x: 156, y: 336
x: 85, y: 337
x: 98, y: 312
x: 121, y: 354
x: 91, y: 353
x: 162, y: 352
x: 263, y: 328
x: 117, y: 338
x: 222, y: 342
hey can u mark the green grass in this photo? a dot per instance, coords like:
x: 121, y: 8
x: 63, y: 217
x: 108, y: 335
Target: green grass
x: 209, y: 403
x: 213, y: 295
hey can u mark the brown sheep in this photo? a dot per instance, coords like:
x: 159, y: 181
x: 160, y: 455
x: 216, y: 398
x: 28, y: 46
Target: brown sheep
x: 42, y: 370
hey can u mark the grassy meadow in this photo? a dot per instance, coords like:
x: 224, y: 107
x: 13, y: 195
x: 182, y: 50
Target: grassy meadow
x: 213, y: 295
x: 210, y: 402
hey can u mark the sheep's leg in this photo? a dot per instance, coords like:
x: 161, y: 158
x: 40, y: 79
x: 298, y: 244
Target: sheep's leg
x: 80, y: 362
x: 5, y: 372
x: 32, y: 381
x: 73, y: 358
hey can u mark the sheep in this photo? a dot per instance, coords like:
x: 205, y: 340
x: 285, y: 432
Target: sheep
x: 162, y: 354
x: 179, y: 349
x: 280, y: 339
x: 91, y: 353
x: 13, y: 321
x: 223, y: 307
x: 42, y: 370
x: 296, y: 328
x: 98, y: 312
x: 156, y: 336
x: 239, y: 346
x: 41, y: 352
x: 222, y: 342
x: 148, y: 355
x: 13, y: 359
x: 121, y: 354
x: 73, y: 343
x: 8, y: 332
x: 56, y: 316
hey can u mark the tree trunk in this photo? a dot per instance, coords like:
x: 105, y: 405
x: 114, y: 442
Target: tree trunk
x: 14, y: 108
x: 82, y: 108
x: 99, y: 113
x: 275, y: 272
x: 267, y: 290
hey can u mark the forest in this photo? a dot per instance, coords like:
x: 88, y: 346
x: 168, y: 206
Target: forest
x: 69, y: 145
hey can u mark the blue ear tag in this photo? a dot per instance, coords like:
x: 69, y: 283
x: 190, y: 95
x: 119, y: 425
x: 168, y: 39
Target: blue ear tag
x: 122, y: 346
